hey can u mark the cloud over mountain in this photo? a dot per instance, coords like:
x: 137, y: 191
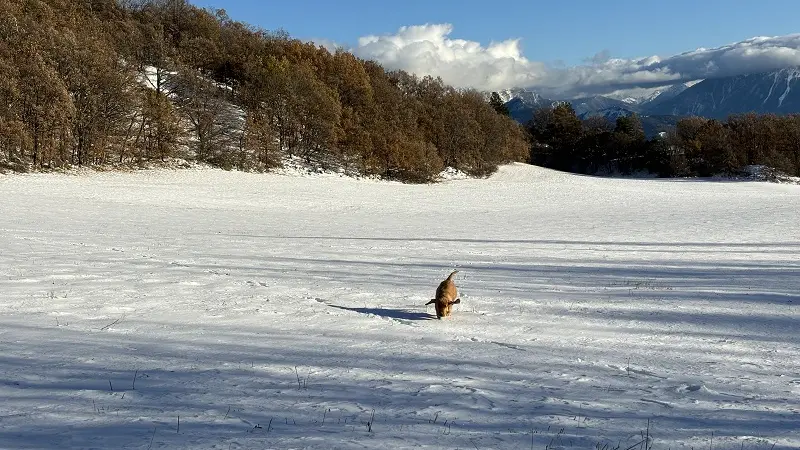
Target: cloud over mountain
x: 430, y: 49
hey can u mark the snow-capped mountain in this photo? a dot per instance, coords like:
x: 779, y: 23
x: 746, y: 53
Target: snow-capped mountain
x: 775, y: 92
x: 522, y: 103
x: 663, y: 94
x: 645, y: 96
x: 635, y: 97
x: 526, y: 95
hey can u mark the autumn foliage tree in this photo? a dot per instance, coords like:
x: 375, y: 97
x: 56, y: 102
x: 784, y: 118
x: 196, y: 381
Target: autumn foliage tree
x: 98, y: 82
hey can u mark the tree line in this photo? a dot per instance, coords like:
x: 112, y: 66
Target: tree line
x: 695, y: 147
x: 104, y: 82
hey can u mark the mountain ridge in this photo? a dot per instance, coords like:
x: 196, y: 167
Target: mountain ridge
x: 772, y: 92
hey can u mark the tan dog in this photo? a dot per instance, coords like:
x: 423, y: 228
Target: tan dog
x: 445, y: 297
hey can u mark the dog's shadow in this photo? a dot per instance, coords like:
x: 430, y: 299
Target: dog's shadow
x: 398, y: 314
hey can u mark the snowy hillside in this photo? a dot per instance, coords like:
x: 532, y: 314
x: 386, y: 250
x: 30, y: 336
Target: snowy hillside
x: 666, y: 94
x: 213, y: 309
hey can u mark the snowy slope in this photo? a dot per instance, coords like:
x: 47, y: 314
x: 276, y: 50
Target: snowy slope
x: 775, y: 92
x: 213, y: 309
x: 645, y: 97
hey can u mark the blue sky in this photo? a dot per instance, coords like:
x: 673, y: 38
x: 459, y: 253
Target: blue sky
x: 555, y: 33
x: 568, y: 31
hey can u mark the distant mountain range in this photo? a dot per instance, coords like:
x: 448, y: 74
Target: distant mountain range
x: 775, y: 92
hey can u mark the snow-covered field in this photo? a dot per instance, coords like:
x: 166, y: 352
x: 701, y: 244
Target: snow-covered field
x: 212, y: 309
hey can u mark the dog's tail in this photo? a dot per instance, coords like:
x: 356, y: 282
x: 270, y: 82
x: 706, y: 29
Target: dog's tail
x: 451, y: 275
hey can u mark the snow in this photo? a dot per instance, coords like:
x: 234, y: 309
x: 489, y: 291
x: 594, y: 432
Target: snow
x: 201, y: 308
x: 765, y: 173
x: 791, y: 75
x: 527, y: 96
x: 155, y: 78
x: 638, y: 96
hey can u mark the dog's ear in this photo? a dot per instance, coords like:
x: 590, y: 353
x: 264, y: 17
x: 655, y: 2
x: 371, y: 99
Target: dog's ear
x: 456, y: 301
x: 433, y: 300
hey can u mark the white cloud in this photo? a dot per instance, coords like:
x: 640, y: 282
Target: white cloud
x: 430, y: 50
